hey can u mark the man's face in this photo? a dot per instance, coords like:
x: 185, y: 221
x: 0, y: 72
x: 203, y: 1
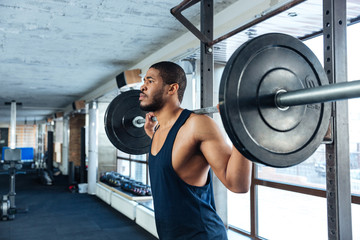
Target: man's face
x: 151, y: 98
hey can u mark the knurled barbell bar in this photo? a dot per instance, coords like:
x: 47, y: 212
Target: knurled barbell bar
x: 274, y: 103
x: 140, y: 121
x: 283, y: 99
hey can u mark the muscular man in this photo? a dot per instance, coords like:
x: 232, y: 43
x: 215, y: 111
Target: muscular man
x: 184, y: 146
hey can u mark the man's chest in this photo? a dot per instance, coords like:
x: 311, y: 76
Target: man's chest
x: 182, y: 143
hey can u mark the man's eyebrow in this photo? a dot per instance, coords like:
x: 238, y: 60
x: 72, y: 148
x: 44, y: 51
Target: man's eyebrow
x: 148, y: 77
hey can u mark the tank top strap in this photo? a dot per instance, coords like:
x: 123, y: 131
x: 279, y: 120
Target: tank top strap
x: 178, y: 124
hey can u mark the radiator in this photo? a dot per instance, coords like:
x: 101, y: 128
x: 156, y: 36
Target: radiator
x: 123, y: 205
x: 145, y: 218
x: 103, y: 193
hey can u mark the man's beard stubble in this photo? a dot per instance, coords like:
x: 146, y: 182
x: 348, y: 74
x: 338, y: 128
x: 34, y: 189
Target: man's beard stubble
x: 156, y: 104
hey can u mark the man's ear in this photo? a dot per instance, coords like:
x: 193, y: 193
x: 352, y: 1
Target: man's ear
x: 174, y: 87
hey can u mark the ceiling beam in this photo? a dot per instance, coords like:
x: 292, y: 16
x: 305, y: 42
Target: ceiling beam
x: 239, y: 13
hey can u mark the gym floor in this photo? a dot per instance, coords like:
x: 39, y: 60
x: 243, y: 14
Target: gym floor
x: 57, y: 214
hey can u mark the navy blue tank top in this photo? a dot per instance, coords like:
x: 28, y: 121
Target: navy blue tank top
x: 182, y: 211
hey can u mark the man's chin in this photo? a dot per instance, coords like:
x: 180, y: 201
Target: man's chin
x: 146, y: 108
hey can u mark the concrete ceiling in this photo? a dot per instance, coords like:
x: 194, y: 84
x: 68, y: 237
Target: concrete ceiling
x: 55, y: 52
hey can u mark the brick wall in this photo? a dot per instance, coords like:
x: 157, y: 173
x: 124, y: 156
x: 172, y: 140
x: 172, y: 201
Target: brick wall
x: 76, y: 122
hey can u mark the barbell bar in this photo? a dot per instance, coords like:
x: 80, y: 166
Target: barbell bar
x: 331, y: 92
x: 140, y: 121
x: 283, y: 99
x: 274, y: 102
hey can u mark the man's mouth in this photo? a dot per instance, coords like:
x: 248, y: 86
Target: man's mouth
x: 142, y: 96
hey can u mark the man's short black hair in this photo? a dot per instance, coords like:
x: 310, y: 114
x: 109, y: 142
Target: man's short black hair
x: 172, y: 73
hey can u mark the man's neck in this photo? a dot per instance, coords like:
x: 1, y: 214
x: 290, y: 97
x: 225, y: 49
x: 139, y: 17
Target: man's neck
x: 167, y: 116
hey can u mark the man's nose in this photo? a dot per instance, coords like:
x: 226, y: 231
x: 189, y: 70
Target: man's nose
x: 142, y: 88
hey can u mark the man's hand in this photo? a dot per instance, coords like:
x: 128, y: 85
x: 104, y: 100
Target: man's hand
x: 149, y: 125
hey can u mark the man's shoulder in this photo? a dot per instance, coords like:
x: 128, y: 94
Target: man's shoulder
x: 200, y: 118
x: 199, y: 122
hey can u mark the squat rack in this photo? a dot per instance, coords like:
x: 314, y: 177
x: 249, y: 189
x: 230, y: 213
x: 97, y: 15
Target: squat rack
x: 338, y: 191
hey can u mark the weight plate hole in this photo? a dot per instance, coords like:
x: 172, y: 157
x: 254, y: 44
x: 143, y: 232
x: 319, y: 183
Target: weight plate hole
x: 282, y: 108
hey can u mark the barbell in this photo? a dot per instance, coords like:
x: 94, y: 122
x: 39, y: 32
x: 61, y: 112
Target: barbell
x: 274, y: 101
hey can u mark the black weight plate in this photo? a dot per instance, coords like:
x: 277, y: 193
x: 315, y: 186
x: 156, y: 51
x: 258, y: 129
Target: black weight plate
x: 261, y: 131
x: 118, y: 124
